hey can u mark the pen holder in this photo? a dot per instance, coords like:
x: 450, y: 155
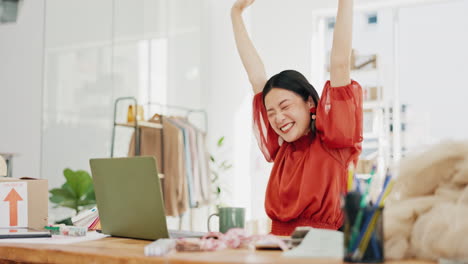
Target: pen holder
x: 363, y: 234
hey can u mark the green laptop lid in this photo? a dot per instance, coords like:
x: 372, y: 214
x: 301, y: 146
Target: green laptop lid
x: 129, y: 197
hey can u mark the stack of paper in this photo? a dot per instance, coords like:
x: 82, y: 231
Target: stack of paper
x: 319, y: 243
x: 88, y: 218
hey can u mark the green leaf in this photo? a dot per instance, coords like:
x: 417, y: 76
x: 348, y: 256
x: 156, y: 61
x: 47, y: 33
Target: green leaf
x: 66, y: 221
x: 220, y: 141
x: 90, y: 195
x: 212, y: 158
x: 77, y: 192
x: 215, y: 178
x: 225, y: 166
x: 69, y: 180
x: 218, y: 190
x: 86, y: 202
x: 67, y: 187
x: 64, y: 193
x: 56, y: 199
x: 70, y: 204
x: 79, y: 181
x: 86, y: 183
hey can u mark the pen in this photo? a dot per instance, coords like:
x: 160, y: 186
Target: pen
x: 350, y: 177
x: 362, y: 205
x: 371, y: 221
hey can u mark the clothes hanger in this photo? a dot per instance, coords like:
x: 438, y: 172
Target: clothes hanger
x: 156, y: 117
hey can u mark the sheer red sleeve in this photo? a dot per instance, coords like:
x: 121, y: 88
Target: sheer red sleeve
x: 267, y: 139
x: 339, y: 116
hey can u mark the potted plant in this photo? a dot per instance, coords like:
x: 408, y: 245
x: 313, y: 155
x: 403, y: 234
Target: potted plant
x: 76, y: 193
x: 217, y: 169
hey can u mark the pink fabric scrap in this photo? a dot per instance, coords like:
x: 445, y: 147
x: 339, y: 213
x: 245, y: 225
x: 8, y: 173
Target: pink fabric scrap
x: 233, y: 239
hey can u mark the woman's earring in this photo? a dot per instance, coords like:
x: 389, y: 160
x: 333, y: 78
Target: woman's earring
x: 312, y: 112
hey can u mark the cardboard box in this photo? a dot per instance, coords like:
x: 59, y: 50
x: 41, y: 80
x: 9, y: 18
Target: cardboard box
x: 24, y: 202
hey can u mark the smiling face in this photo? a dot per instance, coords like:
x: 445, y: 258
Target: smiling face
x: 288, y: 113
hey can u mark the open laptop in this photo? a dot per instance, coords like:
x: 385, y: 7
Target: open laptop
x: 129, y: 199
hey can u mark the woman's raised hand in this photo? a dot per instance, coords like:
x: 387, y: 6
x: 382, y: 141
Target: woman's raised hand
x: 240, y: 5
x: 250, y: 58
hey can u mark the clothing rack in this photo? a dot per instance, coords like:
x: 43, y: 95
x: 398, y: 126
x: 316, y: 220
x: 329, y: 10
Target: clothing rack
x: 188, y: 111
x: 137, y: 124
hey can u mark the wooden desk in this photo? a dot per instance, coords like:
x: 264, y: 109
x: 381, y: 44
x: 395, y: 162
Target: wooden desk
x: 120, y: 250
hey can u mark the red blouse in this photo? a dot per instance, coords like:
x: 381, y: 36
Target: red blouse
x: 309, y: 175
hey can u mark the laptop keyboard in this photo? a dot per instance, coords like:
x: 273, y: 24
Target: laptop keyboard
x: 185, y: 234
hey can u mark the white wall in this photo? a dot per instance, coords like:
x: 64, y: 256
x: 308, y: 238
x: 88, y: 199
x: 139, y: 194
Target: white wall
x: 228, y: 101
x: 78, y: 84
x: 21, y: 49
x: 282, y: 32
x: 433, y: 70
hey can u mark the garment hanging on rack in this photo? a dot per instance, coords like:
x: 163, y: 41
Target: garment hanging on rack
x: 188, y: 161
x: 200, y: 168
x: 205, y: 173
x: 150, y: 142
x: 187, y: 180
x: 175, y: 182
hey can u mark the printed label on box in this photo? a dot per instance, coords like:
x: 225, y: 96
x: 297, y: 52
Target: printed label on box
x: 14, y: 204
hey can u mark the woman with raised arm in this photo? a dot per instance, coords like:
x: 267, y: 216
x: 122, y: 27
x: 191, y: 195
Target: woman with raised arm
x: 311, y: 141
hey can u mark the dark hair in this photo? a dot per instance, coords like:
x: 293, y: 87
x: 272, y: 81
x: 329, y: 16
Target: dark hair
x: 293, y: 81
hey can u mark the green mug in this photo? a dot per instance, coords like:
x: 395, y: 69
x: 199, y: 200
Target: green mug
x: 229, y: 217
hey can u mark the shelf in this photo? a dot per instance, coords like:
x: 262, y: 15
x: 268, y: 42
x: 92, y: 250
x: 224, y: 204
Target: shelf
x: 141, y: 124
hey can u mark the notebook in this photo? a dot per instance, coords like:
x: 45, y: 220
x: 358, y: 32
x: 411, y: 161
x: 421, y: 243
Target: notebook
x: 129, y: 198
